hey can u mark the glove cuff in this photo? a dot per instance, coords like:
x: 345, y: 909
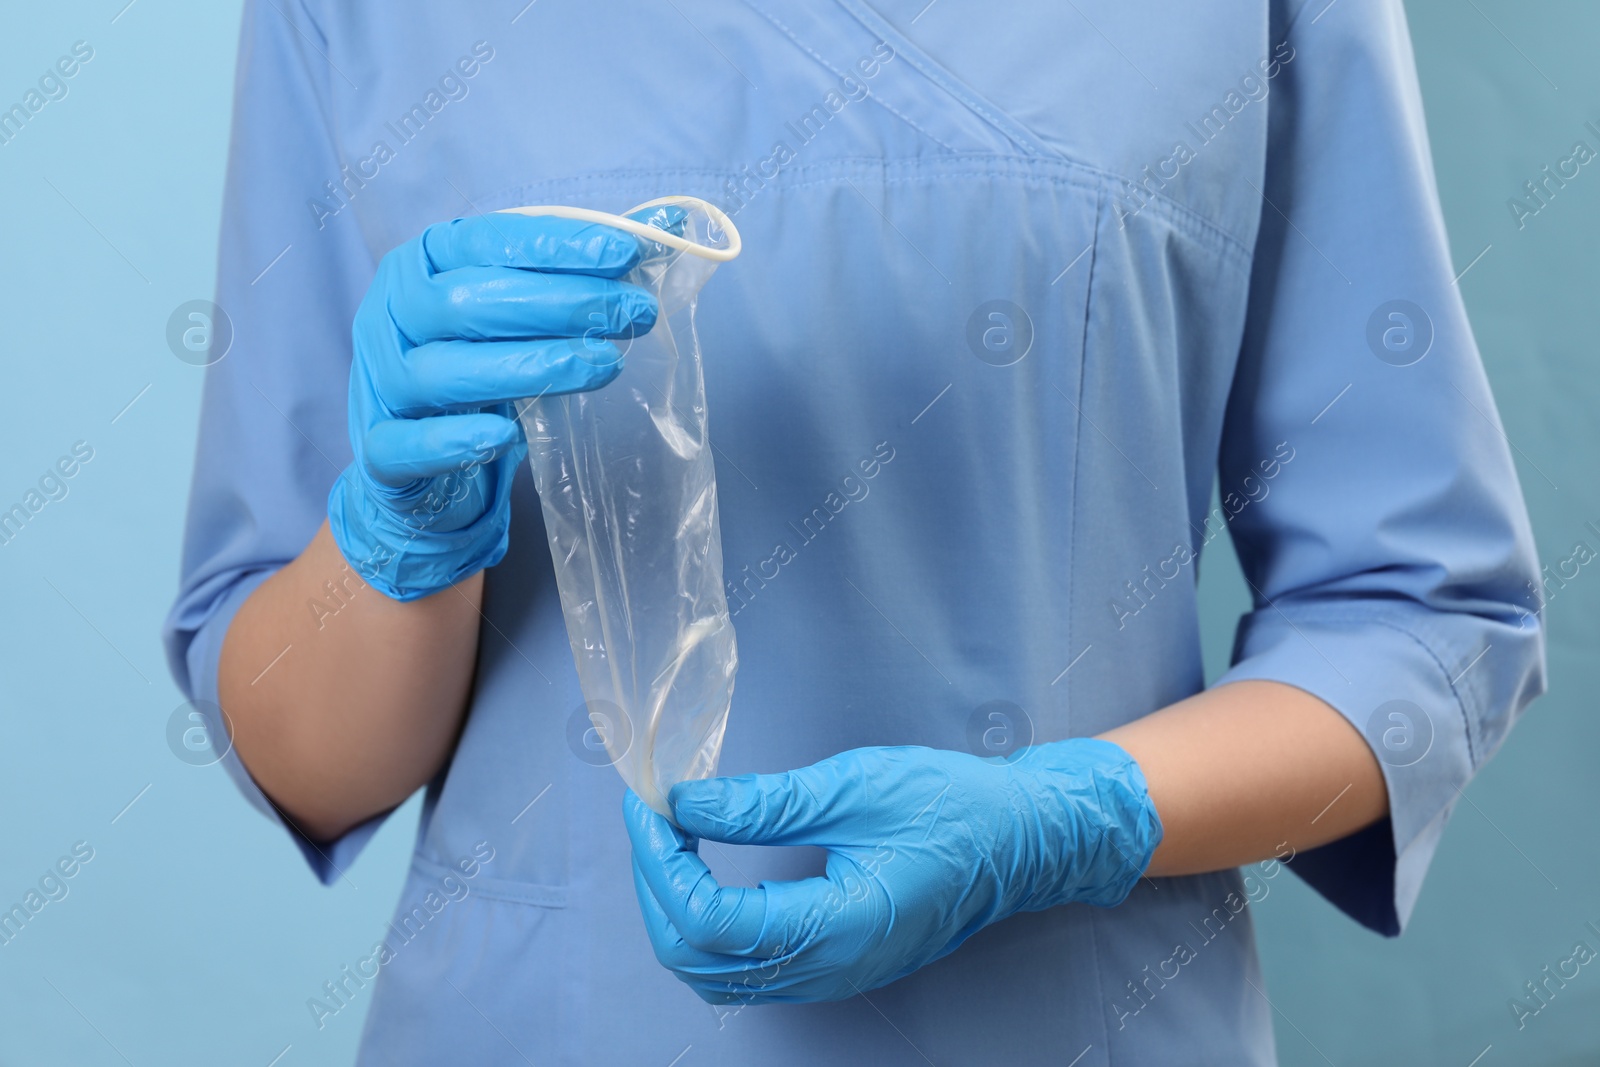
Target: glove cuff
x: 405, y: 556
x: 1110, y: 829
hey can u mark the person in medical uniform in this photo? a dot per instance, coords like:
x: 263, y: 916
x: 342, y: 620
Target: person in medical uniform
x: 1019, y: 287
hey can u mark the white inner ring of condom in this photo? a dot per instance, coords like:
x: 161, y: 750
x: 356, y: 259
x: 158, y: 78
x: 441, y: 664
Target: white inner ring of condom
x: 651, y: 233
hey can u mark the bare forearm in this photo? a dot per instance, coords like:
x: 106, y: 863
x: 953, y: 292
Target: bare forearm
x: 342, y: 712
x: 1239, y: 771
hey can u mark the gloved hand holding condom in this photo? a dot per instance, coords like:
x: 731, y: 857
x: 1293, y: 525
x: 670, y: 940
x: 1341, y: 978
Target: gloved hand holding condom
x: 629, y: 494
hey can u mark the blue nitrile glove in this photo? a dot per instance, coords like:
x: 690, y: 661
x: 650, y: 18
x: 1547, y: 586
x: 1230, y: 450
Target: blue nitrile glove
x: 459, y: 323
x: 925, y: 848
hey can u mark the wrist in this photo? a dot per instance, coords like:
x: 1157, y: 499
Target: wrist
x: 1100, y: 826
x: 407, y: 555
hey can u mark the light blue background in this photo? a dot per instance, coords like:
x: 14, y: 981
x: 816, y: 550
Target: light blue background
x: 196, y: 935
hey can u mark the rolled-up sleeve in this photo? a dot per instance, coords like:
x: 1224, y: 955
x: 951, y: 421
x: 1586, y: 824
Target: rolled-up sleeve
x: 272, y: 434
x: 1366, y: 476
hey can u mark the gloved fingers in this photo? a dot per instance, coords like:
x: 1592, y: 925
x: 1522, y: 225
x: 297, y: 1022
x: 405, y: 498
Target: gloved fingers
x: 813, y: 930
x: 546, y: 243
x: 709, y: 917
x: 399, y: 451
x: 445, y: 376
x: 502, y: 304
x: 715, y: 978
x: 668, y: 217
x: 673, y: 952
x: 799, y: 807
x: 863, y: 798
x: 665, y: 941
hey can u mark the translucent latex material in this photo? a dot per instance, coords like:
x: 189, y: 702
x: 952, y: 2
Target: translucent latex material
x: 629, y: 494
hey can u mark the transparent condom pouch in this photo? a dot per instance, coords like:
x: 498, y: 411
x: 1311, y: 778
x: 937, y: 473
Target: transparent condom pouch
x: 629, y: 494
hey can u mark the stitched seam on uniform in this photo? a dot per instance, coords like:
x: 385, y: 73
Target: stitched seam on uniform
x: 959, y: 166
x: 1099, y: 985
x: 965, y: 169
x: 836, y: 72
x: 1181, y: 218
x: 552, y: 898
x: 1085, y: 176
x: 1082, y: 175
x: 1461, y: 703
x: 530, y: 893
x: 1077, y: 441
x: 908, y: 121
x: 959, y: 92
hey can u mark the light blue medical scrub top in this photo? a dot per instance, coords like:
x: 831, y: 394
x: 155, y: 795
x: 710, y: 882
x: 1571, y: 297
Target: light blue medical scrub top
x: 1017, y: 286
